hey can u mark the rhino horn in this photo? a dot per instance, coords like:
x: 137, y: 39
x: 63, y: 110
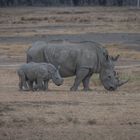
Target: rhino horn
x: 123, y: 82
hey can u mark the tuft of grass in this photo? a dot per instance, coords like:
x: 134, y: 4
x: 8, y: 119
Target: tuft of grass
x: 5, y: 108
x: 92, y: 122
x: 2, y: 123
x: 73, y: 120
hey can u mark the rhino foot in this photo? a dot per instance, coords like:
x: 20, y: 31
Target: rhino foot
x: 73, y: 89
x: 87, y: 89
x: 25, y: 90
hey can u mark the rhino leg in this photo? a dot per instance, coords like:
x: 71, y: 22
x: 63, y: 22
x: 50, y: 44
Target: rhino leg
x: 22, y: 81
x: 39, y: 85
x: 86, y: 83
x: 45, y: 86
x: 30, y: 84
x: 80, y: 75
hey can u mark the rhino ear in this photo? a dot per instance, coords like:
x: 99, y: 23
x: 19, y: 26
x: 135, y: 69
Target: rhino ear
x: 105, y: 53
x: 114, y: 58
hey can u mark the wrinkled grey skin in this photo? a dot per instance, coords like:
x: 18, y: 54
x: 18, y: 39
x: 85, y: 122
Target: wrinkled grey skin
x: 81, y: 59
x: 40, y: 73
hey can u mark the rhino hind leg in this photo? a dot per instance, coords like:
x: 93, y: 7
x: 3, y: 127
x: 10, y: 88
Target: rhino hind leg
x: 29, y: 58
x: 80, y: 75
x: 22, y: 81
x: 30, y: 84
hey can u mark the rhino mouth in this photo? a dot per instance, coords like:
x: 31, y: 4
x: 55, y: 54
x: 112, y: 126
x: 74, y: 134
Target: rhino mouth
x: 58, y: 84
x: 112, y: 89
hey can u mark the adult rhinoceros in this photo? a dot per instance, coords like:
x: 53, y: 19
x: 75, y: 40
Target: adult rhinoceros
x: 80, y: 59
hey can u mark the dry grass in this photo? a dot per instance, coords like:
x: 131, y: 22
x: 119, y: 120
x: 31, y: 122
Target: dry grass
x: 13, y: 49
x: 34, y: 21
x: 124, y: 52
x: 60, y: 114
x: 37, y: 115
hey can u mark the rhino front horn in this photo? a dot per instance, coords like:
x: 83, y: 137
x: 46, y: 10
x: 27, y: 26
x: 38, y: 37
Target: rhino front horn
x: 123, y: 82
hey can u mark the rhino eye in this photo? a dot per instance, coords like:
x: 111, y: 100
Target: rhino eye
x: 109, y: 77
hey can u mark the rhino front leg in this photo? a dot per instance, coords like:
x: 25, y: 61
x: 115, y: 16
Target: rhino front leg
x: 45, y: 86
x: 86, y: 83
x: 39, y: 85
x: 30, y: 84
x: 80, y: 75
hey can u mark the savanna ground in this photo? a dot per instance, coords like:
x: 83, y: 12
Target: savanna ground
x: 60, y: 114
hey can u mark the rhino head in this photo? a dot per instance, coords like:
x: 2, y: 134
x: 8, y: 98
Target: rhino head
x: 56, y: 77
x: 108, y: 76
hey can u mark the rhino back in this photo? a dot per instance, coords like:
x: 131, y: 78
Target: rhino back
x: 35, y: 53
x: 70, y: 57
x: 33, y: 70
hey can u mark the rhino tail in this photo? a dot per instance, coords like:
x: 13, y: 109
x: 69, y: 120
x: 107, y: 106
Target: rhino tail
x: 29, y: 58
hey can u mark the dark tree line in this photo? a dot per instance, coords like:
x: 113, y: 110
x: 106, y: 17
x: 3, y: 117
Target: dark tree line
x: 5, y: 3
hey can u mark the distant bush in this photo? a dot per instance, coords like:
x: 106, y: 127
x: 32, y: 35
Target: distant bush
x: 4, y: 3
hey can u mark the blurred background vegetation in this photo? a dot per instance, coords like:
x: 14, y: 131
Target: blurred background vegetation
x: 5, y: 3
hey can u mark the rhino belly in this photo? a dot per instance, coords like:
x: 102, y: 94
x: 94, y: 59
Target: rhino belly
x: 66, y: 69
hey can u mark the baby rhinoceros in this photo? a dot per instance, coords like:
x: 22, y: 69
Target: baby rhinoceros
x: 38, y: 73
